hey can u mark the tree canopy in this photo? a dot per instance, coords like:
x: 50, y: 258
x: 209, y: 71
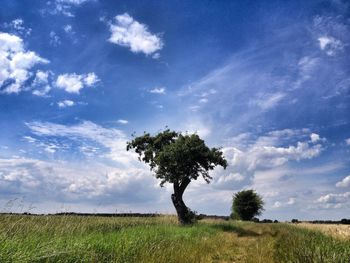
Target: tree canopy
x: 246, y: 205
x: 178, y: 159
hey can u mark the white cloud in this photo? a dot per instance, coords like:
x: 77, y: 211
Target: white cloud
x: 236, y: 177
x: 68, y: 29
x: 334, y: 198
x: 65, y: 103
x: 158, y: 90
x: 291, y: 201
x: 330, y: 45
x: 258, y: 156
x: 198, y: 127
x: 17, y: 25
x: 121, y: 121
x: 29, y: 139
x: 60, y: 181
x: 90, y: 79
x: 344, y: 183
x: 41, y: 77
x: 73, y: 83
x: 127, y: 32
x: 42, y: 92
x: 113, y: 140
x: 54, y: 39
x: 64, y: 7
x: 15, y: 63
x: 314, y: 137
x: 347, y: 141
x: 73, y: 2
x: 277, y: 204
x: 41, y: 83
x: 268, y: 101
x: 263, y: 161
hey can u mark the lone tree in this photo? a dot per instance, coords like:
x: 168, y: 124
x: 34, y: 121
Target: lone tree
x: 178, y: 159
x: 246, y: 205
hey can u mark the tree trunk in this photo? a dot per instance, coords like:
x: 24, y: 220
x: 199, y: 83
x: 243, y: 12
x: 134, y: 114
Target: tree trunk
x: 181, y: 208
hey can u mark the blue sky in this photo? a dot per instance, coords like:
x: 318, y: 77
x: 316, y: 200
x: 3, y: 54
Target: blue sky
x: 267, y: 81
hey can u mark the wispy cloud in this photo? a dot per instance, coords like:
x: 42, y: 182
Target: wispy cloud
x: 65, y: 7
x: 113, y: 140
x: 122, y: 121
x: 158, y: 90
x: 17, y: 26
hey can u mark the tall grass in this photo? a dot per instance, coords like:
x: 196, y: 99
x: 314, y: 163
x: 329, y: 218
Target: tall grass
x: 306, y: 246
x: 160, y: 239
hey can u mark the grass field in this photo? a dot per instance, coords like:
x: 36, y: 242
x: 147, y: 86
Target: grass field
x: 335, y: 230
x: 160, y: 239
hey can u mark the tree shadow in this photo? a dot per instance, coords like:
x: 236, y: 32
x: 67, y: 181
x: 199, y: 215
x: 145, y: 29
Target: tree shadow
x: 241, y: 232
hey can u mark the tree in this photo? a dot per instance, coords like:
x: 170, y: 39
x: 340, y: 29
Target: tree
x: 246, y: 204
x: 178, y: 159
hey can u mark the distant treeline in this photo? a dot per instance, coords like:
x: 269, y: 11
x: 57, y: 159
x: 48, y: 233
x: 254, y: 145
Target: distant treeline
x: 90, y: 214
x: 199, y: 217
x: 343, y: 221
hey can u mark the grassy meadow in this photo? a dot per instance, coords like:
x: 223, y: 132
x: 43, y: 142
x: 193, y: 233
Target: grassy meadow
x: 160, y: 239
x: 339, y: 231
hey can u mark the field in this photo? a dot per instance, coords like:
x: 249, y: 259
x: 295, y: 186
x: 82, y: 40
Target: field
x: 160, y: 239
x: 335, y: 230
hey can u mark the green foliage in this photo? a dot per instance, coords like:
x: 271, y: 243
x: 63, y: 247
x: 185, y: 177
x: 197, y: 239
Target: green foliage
x: 159, y: 239
x: 246, y: 204
x: 175, y: 157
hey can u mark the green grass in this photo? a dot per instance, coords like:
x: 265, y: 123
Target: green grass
x: 160, y: 239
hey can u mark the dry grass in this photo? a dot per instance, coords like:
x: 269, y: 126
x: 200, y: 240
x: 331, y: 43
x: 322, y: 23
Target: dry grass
x: 335, y: 230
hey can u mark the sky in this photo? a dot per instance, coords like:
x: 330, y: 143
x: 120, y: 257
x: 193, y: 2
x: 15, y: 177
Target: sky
x: 267, y: 81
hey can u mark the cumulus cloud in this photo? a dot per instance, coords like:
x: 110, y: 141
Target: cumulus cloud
x: 334, y: 200
x: 127, y: 32
x: 158, y: 90
x: 65, y: 103
x: 40, y: 83
x: 260, y: 162
x: 73, y: 83
x: 60, y: 181
x: 258, y: 156
x: 314, y: 137
x: 15, y: 63
x: 344, y: 183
